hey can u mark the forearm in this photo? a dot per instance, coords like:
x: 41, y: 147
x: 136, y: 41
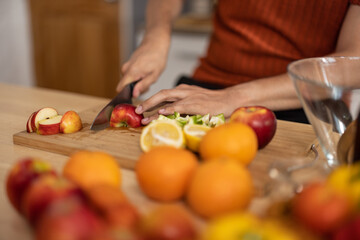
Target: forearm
x: 159, y: 17
x: 275, y: 93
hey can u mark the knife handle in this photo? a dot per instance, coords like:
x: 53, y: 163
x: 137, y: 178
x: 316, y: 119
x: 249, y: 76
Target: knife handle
x: 131, y: 86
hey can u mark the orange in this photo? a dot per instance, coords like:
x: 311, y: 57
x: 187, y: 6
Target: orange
x: 88, y: 169
x: 164, y: 172
x: 104, y: 196
x: 220, y: 186
x: 234, y: 140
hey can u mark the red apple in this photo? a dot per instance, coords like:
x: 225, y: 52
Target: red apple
x: 70, y: 219
x: 42, y: 114
x: 70, y: 122
x: 124, y: 115
x: 320, y: 208
x: 29, y: 129
x: 49, y: 126
x: 21, y: 176
x: 45, y: 190
x: 261, y: 119
x: 123, y: 215
x: 349, y: 231
x: 168, y: 222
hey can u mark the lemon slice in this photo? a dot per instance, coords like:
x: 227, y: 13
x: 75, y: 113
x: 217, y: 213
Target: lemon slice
x: 162, y: 132
x: 193, y: 135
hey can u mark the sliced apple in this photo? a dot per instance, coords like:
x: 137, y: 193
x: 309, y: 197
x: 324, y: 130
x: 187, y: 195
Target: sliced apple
x: 49, y: 126
x: 42, y: 114
x: 29, y: 129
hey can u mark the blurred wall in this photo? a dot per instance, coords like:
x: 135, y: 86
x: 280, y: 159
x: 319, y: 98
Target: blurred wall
x: 15, y: 45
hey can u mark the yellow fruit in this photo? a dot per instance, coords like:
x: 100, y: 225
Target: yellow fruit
x: 233, y: 140
x: 233, y: 227
x: 164, y: 173
x: 162, y: 133
x: 346, y: 180
x: 243, y: 226
x: 193, y: 135
x: 88, y: 169
x: 220, y: 186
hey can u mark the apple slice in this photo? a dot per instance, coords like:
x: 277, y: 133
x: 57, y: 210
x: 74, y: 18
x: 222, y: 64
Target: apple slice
x: 29, y: 129
x: 49, y: 126
x: 42, y: 114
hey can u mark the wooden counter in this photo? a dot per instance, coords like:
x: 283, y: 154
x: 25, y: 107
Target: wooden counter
x: 289, y: 147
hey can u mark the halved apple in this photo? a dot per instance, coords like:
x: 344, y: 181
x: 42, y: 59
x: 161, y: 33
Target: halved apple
x: 70, y: 122
x: 49, y: 126
x: 29, y: 129
x: 44, y: 113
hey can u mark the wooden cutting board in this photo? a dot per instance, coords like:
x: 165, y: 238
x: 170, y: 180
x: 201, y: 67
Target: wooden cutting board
x: 122, y: 143
x: 289, y: 146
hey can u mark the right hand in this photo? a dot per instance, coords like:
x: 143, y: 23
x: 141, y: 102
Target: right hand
x: 145, y: 64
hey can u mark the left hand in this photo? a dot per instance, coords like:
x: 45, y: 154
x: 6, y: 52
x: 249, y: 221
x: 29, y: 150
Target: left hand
x: 188, y: 99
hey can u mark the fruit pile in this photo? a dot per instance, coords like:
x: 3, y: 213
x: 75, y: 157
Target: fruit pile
x: 47, y: 121
x: 86, y: 202
x: 331, y: 208
x: 174, y: 130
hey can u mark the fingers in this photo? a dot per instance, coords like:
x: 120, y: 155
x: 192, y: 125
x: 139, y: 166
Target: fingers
x: 165, y: 95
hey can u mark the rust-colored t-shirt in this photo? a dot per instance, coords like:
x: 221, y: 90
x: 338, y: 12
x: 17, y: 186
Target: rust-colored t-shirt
x: 259, y: 38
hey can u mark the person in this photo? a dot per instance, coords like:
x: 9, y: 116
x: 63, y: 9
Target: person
x: 251, y: 45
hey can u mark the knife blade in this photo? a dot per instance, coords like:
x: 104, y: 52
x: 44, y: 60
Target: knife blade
x: 102, y: 120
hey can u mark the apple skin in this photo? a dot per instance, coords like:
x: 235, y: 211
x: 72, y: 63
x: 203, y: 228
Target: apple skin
x: 49, y: 126
x: 70, y: 122
x: 42, y: 114
x: 21, y: 176
x: 261, y: 119
x: 123, y: 215
x: 320, y: 208
x: 349, y: 231
x: 124, y: 115
x: 29, y: 127
x: 70, y: 219
x: 168, y: 222
x: 45, y: 190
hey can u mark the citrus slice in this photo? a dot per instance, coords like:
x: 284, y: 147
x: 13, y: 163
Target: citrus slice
x: 160, y: 133
x: 193, y: 135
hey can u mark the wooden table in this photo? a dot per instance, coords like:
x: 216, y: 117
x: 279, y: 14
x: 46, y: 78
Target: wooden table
x: 16, y: 104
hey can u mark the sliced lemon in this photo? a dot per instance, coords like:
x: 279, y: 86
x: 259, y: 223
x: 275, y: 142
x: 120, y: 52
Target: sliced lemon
x: 162, y: 132
x: 193, y: 135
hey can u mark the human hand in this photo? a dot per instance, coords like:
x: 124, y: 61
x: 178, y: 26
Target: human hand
x: 187, y: 99
x: 145, y: 65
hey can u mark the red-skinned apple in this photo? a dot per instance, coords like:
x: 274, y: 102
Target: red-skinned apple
x: 68, y: 218
x: 124, y: 115
x: 45, y: 190
x: 42, y: 114
x: 29, y: 128
x: 349, y: 231
x: 168, y: 222
x: 123, y: 215
x: 21, y: 176
x: 49, y: 126
x: 70, y: 122
x: 261, y: 119
x: 320, y: 208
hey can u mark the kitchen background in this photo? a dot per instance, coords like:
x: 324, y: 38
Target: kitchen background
x: 79, y: 45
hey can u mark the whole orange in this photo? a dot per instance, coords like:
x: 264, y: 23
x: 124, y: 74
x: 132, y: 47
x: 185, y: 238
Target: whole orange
x: 234, y: 140
x: 87, y: 169
x: 220, y: 186
x: 164, y: 172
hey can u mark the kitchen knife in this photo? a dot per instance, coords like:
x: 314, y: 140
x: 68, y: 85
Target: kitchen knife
x: 102, y: 120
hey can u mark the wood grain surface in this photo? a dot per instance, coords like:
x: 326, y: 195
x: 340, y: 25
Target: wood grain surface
x: 288, y: 148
